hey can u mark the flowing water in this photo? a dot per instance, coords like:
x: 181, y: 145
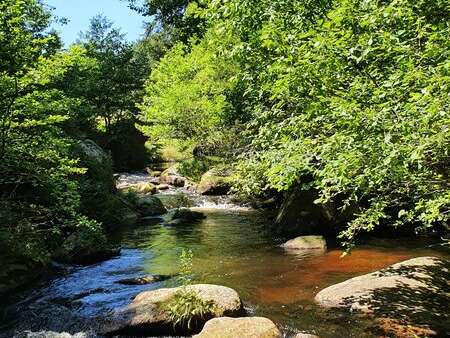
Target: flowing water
x: 231, y: 247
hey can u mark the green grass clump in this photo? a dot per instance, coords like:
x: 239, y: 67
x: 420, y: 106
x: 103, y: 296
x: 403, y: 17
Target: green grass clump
x: 185, y: 307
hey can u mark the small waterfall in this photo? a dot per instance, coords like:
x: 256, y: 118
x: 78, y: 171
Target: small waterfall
x: 218, y: 202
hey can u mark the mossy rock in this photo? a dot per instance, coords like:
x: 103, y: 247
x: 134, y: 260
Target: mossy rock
x: 85, y: 246
x: 183, y: 215
x: 215, y: 182
x: 150, y: 206
x: 146, y: 315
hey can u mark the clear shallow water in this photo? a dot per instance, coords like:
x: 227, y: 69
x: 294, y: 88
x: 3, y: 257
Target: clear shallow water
x: 232, y: 248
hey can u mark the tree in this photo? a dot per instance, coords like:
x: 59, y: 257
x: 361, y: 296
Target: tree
x: 177, y: 17
x: 116, y: 85
x: 349, y: 98
x: 39, y: 200
x: 186, y: 95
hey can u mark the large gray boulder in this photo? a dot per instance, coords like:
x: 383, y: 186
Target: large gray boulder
x: 415, y: 291
x: 306, y: 243
x: 246, y: 327
x: 146, y: 316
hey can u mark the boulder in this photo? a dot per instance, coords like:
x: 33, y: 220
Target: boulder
x: 247, y: 327
x: 16, y: 274
x: 143, y: 280
x: 128, y: 216
x: 299, y: 215
x: 306, y: 243
x: 305, y: 335
x: 150, y: 206
x: 172, y: 176
x: 182, y: 215
x: 146, y: 188
x: 162, y: 186
x: 145, y: 315
x: 413, y: 292
x: 215, y: 182
x: 85, y: 246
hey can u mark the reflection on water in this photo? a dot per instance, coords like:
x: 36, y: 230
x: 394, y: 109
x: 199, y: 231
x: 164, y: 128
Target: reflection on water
x: 232, y: 248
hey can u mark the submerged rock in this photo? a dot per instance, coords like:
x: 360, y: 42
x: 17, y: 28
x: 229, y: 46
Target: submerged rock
x: 306, y: 243
x: 414, y: 291
x: 143, y: 280
x: 182, y: 215
x: 145, y: 316
x: 172, y: 176
x: 150, y: 206
x: 247, y: 327
x: 215, y: 182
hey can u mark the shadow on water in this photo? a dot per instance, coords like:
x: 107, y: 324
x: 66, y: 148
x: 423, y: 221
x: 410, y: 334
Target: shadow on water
x: 231, y: 248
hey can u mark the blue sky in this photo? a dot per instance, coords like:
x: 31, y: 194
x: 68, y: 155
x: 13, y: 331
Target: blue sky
x: 79, y: 12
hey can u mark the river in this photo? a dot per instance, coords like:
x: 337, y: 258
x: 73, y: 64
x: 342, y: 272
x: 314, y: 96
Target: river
x: 231, y: 247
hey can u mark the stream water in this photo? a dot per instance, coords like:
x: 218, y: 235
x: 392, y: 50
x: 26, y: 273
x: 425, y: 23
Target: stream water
x: 231, y: 247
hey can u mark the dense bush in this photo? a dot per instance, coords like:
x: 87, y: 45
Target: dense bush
x: 349, y: 98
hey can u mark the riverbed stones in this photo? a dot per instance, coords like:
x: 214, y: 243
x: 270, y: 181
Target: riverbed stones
x: 146, y: 188
x: 246, y: 327
x: 306, y: 243
x: 414, y: 291
x: 150, y: 206
x: 145, y: 316
x: 173, y: 177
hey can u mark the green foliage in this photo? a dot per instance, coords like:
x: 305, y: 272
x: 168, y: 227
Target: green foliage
x: 43, y: 109
x: 194, y: 168
x: 39, y: 195
x: 186, y: 264
x: 185, y: 307
x: 177, y: 17
x: 348, y: 97
x: 87, y: 239
x: 186, y: 96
